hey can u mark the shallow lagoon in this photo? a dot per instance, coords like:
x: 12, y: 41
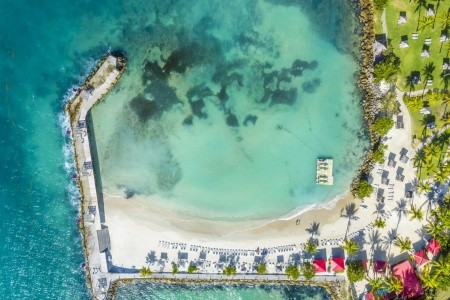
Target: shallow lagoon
x: 225, y: 107
x: 153, y: 291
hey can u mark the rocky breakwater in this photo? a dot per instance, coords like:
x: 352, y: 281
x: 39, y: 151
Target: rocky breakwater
x: 366, y: 85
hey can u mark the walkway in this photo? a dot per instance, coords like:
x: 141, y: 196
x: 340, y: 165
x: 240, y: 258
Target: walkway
x: 78, y: 107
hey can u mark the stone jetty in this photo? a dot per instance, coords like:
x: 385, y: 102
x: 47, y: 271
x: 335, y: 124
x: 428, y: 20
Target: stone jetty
x: 94, y: 235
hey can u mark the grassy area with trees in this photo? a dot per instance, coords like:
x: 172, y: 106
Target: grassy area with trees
x: 427, y: 26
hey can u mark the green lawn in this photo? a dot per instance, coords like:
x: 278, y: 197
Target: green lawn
x: 410, y: 57
x: 443, y: 295
x: 416, y: 120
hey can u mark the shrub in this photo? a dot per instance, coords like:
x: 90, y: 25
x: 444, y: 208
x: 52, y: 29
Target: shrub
x: 383, y: 125
x: 308, y: 270
x: 355, y: 271
x: 378, y: 154
x: 311, y: 246
x: 262, y: 269
x: 365, y: 189
x: 144, y: 272
x: 380, y: 4
x: 192, y: 269
x: 292, y: 272
x: 229, y: 270
x: 386, y: 69
x: 174, y: 268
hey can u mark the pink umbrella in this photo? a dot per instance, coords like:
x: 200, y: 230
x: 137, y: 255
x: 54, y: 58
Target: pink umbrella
x: 320, y: 265
x: 379, y: 266
x: 433, y: 247
x: 337, y: 264
x: 421, y: 257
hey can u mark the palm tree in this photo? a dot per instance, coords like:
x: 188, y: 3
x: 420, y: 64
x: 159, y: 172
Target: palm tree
x: 442, y: 266
x: 376, y: 284
x: 420, y: 4
x: 434, y: 228
x: 404, y: 244
x: 350, y: 214
x: 415, y: 213
x: 441, y: 175
x: 428, y: 280
x: 379, y: 223
x: 424, y: 188
x: 425, y: 22
x: 428, y: 70
x: 350, y: 247
x: 444, y: 19
x: 401, y: 210
x: 411, y: 83
x: 419, y: 159
x: 394, y: 284
x: 311, y: 246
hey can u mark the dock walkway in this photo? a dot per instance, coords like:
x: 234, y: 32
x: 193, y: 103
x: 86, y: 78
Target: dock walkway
x: 96, y: 86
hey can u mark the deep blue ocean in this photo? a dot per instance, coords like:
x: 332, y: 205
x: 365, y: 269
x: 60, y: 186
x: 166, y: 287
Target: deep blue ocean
x: 47, y: 48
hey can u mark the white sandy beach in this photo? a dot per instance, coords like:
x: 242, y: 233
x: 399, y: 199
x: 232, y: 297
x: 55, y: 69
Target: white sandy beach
x: 137, y: 228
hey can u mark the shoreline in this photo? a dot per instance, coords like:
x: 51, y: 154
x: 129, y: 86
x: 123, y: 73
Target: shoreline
x: 328, y: 211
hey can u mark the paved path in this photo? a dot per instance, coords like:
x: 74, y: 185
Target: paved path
x: 78, y: 107
x: 383, y: 23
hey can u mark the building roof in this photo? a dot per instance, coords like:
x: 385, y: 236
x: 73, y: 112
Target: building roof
x: 421, y: 257
x: 433, y: 247
x: 337, y: 264
x: 320, y: 265
x: 411, y: 284
x: 104, y: 242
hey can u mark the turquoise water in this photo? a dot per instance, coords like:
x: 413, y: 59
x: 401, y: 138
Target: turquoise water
x: 238, y: 292
x: 225, y: 108
x: 47, y: 47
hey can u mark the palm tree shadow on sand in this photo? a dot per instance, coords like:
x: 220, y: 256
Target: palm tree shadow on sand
x: 313, y: 229
x: 349, y: 212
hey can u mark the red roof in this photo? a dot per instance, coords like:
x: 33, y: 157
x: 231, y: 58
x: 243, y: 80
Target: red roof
x: 434, y: 247
x: 337, y: 264
x: 411, y: 284
x: 421, y: 257
x: 379, y: 266
x: 321, y: 265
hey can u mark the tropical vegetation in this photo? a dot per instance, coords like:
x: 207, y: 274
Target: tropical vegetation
x: 293, y: 272
x: 378, y: 154
x: 350, y: 247
x: 262, y: 269
x: 308, y: 270
x: 355, y: 271
x: 192, y: 269
x: 364, y: 189
x: 229, y: 270
x: 382, y: 125
x: 145, y: 272
x: 174, y: 268
x: 311, y: 246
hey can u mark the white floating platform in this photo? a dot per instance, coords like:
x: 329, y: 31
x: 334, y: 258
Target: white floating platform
x: 324, y: 173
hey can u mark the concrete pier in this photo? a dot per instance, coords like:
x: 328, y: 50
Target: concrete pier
x: 95, y: 236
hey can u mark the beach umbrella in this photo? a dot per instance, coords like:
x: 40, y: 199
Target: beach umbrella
x: 421, y: 257
x: 337, y: 264
x: 379, y: 266
x: 433, y: 247
x: 320, y: 265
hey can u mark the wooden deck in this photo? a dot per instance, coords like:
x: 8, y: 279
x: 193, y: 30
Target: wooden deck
x: 324, y: 175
